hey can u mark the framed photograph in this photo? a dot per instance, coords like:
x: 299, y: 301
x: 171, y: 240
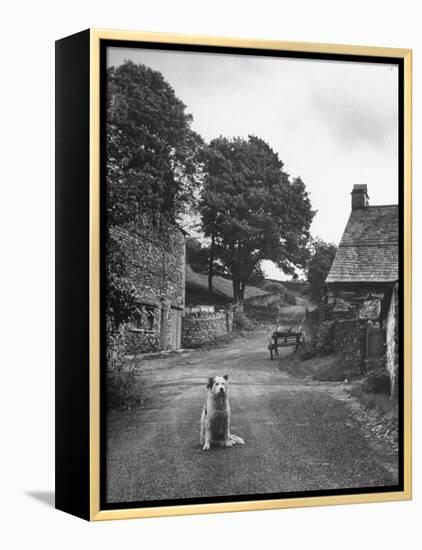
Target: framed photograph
x: 233, y: 276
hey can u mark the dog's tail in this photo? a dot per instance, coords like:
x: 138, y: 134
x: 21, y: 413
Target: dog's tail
x: 236, y: 440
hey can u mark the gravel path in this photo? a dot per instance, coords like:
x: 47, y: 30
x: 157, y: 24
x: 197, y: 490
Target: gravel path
x: 299, y: 435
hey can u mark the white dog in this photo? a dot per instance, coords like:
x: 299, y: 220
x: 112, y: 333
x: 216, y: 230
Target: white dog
x: 215, y: 419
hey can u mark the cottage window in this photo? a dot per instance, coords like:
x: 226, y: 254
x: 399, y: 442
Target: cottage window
x: 150, y: 318
x: 144, y: 318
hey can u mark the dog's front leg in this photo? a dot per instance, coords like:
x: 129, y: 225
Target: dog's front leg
x: 202, y: 429
x: 207, y: 444
x: 227, y: 438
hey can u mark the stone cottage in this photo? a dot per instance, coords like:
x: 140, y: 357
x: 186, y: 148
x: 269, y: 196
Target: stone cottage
x: 155, y: 253
x: 362, y: 287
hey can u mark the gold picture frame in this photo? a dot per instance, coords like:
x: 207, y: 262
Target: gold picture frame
x: 90, y: 492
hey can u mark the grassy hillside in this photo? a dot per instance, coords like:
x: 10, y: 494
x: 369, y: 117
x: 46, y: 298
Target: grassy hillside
x: 223, y: 289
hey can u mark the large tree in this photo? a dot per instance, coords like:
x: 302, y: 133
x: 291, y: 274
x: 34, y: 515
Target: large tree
x: 151, y: 165
x: 252, y: 210
x: 151, y: 148
x: 322, y: 256
x: 197, y: 255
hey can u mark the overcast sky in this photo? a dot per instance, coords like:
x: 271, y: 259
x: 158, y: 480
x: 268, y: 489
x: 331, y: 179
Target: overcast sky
x: 332, y: 123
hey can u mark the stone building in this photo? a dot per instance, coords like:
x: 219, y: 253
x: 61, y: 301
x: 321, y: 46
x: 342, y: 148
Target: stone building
x: 362, y: 295
x: 155, y: 255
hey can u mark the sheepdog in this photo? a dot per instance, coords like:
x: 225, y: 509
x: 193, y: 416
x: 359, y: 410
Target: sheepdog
x: 215, y: 419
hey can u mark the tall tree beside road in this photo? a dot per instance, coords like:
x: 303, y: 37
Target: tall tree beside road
x: 151, y: 164
x: 322, y: 257
x: 252, y: 210
x: 150, y: 149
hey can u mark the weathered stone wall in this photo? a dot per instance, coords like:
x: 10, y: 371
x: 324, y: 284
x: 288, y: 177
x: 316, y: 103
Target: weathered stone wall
x: 350, y: 308
x: 350, y: 342
x: 202, y: 327
x: 139, y: 341
x: 323, y: 337
x: 392, y: 337
x: 154, y: 253
x: 156, y: 261
x: 346, y: 337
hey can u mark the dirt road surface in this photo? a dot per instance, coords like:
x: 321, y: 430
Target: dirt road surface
x: 299, y: 435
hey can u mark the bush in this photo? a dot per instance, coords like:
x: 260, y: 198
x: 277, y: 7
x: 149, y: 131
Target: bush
x: 300, y: 288
x: 307, y: 351
x: 328, y: 368
x: 319, y: 344
x: 278, y: 288
x: 337, y: 371
x: 241, y: 322
x: 377, y: 382
x: 269, y: 312
x: 324, y: 369
x: 383, y: 404
x: 120, y: 387
x: 122, y: 382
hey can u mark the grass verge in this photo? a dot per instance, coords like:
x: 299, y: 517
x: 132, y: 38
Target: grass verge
x: 380, y: 402
x: 329, y: 368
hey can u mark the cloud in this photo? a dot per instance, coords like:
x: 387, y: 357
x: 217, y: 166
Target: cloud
x: 333, y: 123
x: 355, y: 121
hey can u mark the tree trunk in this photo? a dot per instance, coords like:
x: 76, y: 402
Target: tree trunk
x: 236, y: 289
x: 211, y: 266
x: 240, y: 281
x: 242, y: 288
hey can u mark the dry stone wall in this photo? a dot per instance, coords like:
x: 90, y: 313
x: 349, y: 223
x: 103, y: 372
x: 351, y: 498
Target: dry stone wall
x: 140, y: 341
x: 346, y: 337
x: 350, y: 342
x: 199, y: 328
x: 350, y: 308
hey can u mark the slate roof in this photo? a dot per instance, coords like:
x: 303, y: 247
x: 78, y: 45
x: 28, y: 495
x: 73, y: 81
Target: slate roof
x: 369, y: 248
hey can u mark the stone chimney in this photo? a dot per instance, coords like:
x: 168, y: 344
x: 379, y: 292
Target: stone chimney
x: 360, y: 197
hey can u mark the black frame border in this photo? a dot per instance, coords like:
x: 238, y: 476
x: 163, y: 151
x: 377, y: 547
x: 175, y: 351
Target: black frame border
x: 399, y: 62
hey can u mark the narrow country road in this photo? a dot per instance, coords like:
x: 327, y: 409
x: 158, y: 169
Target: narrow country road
x: 299, y: 435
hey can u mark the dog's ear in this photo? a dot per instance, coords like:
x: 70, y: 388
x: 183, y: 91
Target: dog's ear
x: 226, y: 377
x: 210, y: 383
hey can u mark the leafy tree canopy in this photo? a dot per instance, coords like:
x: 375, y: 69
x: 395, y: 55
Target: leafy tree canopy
x: 151, y: 147
x: 322, y: 256
x: 197, y: 255
x: 151, y: 166
x: 252, y: 209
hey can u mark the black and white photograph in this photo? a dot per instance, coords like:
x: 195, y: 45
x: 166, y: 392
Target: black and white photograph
x: 208, y: 212
x: 251, y: 305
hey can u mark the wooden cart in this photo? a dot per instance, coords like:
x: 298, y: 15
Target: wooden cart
x: 282, y: 339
